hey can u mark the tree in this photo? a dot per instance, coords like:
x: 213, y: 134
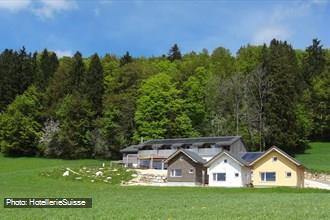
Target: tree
x: 74, y: 137
x: 16, y: 75
x: 120, y: 102
x: 77, y: 73
x: 20, y: 125
x: 94, y: 87
x: 160, y: 111
x: 223, y: 64
x: 258, y: 87
x: 59, y: 86
x: 47, y: 66
x: 248, y: 59
x: 282, y: 72
x: 313, y: 102
x: 126, y: 59
x: 194, y: 94
x: 225, y: 99
x: 174, y: 53
x: 314, y: 61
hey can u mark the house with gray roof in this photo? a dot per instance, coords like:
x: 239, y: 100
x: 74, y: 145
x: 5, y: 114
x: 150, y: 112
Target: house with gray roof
x: 185, y: 168
x: 153, y: 153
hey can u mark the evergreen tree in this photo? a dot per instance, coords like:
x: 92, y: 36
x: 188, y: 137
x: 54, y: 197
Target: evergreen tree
x: 77, y: 74
x: 282, y: 72
x: 125, y: 59
x: 47, y: 67
x: 94, y: 83
x: 314, y: 61
x: 16, y: 75
x: 174, y: 53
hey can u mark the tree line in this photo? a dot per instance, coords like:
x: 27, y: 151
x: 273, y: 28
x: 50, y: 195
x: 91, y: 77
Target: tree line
x: 76, y: 107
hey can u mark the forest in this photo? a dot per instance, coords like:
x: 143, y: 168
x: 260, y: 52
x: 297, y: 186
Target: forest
x: 91, y: 107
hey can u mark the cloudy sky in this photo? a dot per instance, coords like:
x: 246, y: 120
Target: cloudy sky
x: 146, y: 28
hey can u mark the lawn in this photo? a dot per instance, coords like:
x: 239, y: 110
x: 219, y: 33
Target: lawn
x: 317, y: 158
x: 21, y: 177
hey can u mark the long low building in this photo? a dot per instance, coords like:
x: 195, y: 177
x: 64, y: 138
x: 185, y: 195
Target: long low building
x: 153, y: 153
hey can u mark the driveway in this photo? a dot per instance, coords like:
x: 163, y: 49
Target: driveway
x: 316, y: 184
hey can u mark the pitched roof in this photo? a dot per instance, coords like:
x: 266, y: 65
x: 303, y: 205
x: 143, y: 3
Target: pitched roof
x: 223, y: 140
x: 176, y: 142
x: 274, y: 148
x: 192, y: 155
x: 234, y: 157
x: 130, y: 149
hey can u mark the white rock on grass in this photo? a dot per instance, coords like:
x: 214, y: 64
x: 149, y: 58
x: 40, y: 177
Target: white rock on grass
x: 114, y: 170
x: 103, y: 165
x: 109, y: 178
x: 134, y: 175
x: 92, y: 181
x: 78, y: 178
x: 98, y: 173
x: 66, y: 173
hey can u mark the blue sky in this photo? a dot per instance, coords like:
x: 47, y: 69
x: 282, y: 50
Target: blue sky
x: 146, y: 28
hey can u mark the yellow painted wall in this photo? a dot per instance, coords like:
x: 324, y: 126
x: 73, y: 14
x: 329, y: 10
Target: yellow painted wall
x: 281, y: 166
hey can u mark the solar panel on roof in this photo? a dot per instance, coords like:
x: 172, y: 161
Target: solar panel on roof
x: 251, y: 156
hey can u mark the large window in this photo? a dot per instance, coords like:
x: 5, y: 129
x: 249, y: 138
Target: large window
x: 144, y: 163
x: 156, y: 164
x: 219, y: 176
x: 268, y: 176
x: 176, y: 173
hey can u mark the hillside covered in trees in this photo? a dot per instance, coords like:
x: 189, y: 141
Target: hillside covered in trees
x: 77, y: 107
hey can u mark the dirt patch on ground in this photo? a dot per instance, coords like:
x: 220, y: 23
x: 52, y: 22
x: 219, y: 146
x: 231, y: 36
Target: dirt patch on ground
x: 148, y: 177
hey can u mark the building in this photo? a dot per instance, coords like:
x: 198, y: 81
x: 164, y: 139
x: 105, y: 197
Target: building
x: 153, y: 153
x: 186, y: 168
x: 276, y: 168
x: 228, y: 170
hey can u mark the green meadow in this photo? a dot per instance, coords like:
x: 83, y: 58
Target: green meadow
x: 23, y: 177
x: 317, y: 157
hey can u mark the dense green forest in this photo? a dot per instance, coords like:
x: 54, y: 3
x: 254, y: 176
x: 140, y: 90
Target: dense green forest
x: 77, y: 107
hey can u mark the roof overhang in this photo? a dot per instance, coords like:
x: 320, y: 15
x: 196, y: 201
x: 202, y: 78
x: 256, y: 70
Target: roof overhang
x: 274, y: 148
x: 216, y: 157
x: 178, y: 152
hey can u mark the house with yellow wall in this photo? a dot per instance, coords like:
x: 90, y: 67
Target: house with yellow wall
x: 276, y: 168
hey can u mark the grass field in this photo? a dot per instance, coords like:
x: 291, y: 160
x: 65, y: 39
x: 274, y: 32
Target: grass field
x: 21, y: 177
x: 317, y: 158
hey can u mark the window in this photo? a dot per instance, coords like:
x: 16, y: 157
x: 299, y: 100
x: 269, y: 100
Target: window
x: 191, y: 171
x: 219, y: 176
x: 144, y: 163
x: 288, y: 174
x: 225, y: 160
x: 176, y: 173
x: 274, y: 159
x: 236, y: 175
x: 268, y: 176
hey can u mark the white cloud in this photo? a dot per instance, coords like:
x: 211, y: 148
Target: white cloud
x: 14, y: 5
x: 266, y: 34
x: 63, y: 53
x: 281, y: 22
x: 48, y: 8
x: 41, y: 8
x: 320, y: 2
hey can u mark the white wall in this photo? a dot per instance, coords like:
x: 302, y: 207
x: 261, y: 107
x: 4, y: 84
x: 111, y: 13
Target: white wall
x: 230, y: 168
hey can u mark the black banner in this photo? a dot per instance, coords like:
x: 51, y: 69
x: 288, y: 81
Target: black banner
x: 47, y: 202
